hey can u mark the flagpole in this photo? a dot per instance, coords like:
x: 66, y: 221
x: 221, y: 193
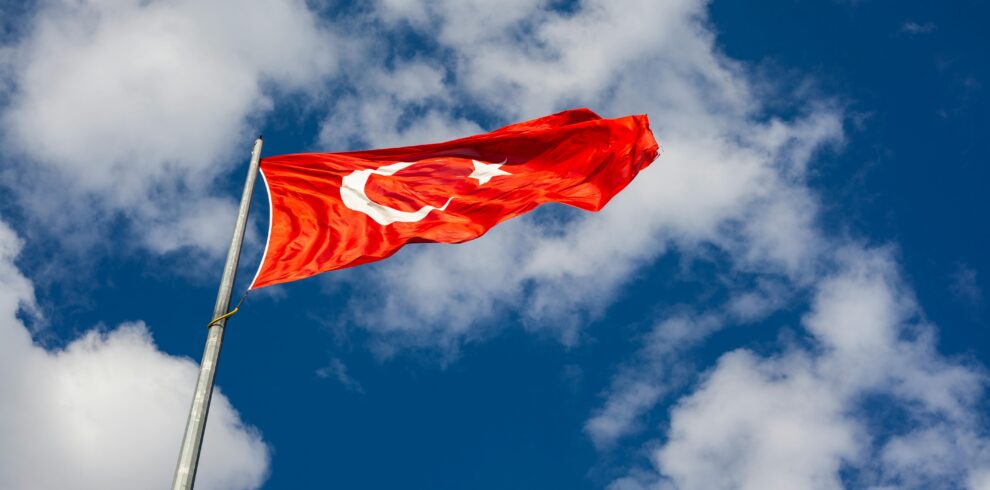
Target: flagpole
x: 192, y: 441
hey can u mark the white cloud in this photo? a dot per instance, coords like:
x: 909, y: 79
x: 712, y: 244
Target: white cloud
x: 980, y: 480
x: 802, y: 419
x: 106, y: 411
x: 405, y: 105
x: 133, y: 108
x: 730, y: 179
x: 656, y: 369
x: 761, y: 425
x: 915, y: 28
x: 338, y: 371
x: 727, y: 177
x: 663, y: 364
x: 109, y: 103
x: 966, y: 286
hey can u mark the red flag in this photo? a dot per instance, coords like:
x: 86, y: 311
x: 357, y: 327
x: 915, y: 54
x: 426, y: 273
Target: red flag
x: 336, y: 210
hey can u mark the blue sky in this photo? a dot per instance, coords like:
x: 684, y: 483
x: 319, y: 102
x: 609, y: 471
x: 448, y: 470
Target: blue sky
x: 793, y: 296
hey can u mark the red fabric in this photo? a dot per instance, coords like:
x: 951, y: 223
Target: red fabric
x: 574, y: 157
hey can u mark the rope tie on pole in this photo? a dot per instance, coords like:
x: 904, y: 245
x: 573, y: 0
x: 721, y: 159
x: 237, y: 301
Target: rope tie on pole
x: 231, y: 312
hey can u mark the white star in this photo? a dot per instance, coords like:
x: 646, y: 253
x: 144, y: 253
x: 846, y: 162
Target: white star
x: 484, y: 172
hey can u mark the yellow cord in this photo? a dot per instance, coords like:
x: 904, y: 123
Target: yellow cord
x: 231, y: 312
x: 222, y: 317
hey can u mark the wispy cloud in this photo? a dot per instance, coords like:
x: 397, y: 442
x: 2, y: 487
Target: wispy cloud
x: 965, y: 285
x: 914, y: 28
x: 644, y: 381
x: 338, y: 371
x: 664, y: 365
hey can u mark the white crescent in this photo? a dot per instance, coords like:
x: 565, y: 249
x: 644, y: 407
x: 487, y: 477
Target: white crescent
x: 353, y: 195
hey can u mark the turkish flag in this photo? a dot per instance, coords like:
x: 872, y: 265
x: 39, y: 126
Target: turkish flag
x: 336, y: 210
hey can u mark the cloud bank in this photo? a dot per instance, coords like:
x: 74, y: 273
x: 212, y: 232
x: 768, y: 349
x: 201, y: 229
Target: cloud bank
x: 867, y: 403
x: 134, y: 109
x: 729, y: 175
x: 108, y: 410
x: 732, y: 183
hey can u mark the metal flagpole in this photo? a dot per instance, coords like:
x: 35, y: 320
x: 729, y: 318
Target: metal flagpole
x: 192, y: 441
